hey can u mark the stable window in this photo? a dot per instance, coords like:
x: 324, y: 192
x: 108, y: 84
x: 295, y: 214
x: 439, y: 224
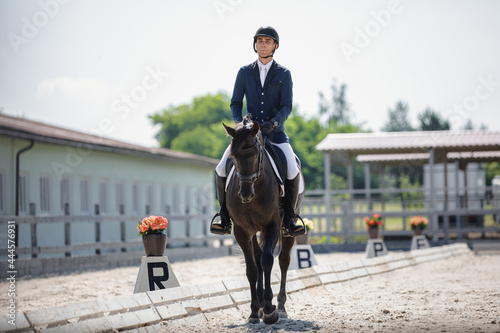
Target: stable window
x: 176, y: 200
x: 120, y: 198
x: 103, y: 196
x: 2, y: 191
x: 23, y: 194
x: 135, y: 198
x: 149, y: 199
x: 84, y: 195
x: 64, y: 193
x: 164, y: 200
x: 44, y: 194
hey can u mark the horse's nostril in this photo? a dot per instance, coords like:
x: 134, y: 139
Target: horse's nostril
x: 247, y: 198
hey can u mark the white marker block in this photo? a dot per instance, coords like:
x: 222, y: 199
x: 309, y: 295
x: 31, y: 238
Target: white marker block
x: 375, y: 248
x: 155, y: 273
x: 419, y: 242
x: 302, y: 256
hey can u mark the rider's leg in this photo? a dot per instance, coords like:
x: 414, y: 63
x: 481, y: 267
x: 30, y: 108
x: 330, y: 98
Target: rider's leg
x: 221, y: 226
x: 291, y: 228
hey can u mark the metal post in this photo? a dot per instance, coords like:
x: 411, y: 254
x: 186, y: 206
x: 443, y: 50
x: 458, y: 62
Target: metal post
x: 97, y: 227
x: 434, y: 225
x: 188, y: 233
x: 327, y: 195
x: 368, y: 187
x: 34, y: 243
x: 350, y: 180
x: 67, y: 230
x: 123, y: 233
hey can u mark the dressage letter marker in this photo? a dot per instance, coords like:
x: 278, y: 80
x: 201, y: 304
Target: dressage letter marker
x: 155, y: 274
x: 375, y: 248
x: 419, y: 242
x: 302, y: 256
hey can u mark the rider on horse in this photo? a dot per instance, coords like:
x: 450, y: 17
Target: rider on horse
x: 267, y: 87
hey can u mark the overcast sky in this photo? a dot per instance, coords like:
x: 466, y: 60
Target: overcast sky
x: 104, y: 66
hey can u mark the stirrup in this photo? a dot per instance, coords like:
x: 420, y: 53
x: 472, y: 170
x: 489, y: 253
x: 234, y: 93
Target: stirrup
x: 287, y: 230
x: 218, y: 228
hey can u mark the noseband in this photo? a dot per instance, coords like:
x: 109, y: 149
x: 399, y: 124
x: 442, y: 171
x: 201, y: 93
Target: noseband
x: 251, y: 178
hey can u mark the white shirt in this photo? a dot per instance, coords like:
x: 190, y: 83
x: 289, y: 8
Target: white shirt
x: 263, y: 69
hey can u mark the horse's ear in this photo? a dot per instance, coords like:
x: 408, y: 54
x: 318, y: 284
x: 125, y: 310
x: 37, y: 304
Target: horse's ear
x: 255, y: 128
x: 229, y: 130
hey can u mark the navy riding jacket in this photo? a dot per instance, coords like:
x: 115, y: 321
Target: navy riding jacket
x: 273, y: 102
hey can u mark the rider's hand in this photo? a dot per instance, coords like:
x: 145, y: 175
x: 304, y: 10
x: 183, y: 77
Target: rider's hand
x: 266, y: 127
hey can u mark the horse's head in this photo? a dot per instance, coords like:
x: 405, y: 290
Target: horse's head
x: 247, y: 153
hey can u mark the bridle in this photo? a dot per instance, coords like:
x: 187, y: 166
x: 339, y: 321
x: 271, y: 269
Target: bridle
x: 251, y: 178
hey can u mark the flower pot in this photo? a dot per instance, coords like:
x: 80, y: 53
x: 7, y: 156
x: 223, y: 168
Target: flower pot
x: 418, y: 231
x: 373, y: 233
x: 302, y: 239
x: 154, y: 244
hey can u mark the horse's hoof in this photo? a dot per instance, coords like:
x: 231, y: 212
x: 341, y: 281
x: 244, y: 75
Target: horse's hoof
x: 253, y: 320
x: 271, y: 318
x: 283, y: 314
x: 261, y: 313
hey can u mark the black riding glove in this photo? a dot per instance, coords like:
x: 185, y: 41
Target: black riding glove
x: 266, y: 127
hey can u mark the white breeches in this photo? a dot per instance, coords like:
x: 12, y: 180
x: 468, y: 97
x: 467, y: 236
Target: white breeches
x: 286, y: 148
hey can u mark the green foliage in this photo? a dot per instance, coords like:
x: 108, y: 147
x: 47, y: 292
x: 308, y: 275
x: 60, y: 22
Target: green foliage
x: 398, y: 118
x: 492, y: 169
x: 338, y: 111
x: 412, y: 198
x: 470, y: 126
x: 430, y: 120
x: 304, y: 136
x: 195, y: 127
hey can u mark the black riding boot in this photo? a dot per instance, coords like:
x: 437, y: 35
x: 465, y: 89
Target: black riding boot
x: 290, y: 227
x: 222, y: 227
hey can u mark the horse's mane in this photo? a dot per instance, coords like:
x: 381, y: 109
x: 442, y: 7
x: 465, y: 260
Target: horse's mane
x: 242, y: 131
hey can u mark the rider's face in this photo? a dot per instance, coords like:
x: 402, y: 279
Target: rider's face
x: 264, y: 46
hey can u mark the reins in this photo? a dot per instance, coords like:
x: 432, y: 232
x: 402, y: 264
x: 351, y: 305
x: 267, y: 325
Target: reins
x: 251, y: 178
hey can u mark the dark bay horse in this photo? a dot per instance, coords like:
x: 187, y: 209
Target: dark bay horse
x: 252, y: 200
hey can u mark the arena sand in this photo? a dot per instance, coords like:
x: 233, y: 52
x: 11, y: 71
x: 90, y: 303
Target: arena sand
x: 460, y: 294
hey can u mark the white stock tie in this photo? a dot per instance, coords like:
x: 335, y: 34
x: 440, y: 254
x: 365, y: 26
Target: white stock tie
x: 263, y: 73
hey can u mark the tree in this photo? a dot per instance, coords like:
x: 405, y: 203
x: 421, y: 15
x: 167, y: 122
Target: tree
x: 195, y: 127
x: 304, y: 136
x: 469, y: 125
x: 398, y: 119
x: 430, y: 120
x: 338, y: 111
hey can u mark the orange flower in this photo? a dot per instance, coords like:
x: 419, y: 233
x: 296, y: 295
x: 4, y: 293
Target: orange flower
x: 374, y: 222
x: 152, y: 225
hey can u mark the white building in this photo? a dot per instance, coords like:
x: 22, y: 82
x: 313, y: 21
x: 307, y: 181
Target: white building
x: 66, y: 172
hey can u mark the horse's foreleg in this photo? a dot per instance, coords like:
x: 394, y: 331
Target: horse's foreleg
x: 257, y: 252
x: 251, y: 271
x: 284, y: 261
x: 270, y: 315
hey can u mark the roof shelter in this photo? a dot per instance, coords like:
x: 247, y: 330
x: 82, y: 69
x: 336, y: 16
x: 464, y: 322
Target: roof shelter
x: 409, y: 148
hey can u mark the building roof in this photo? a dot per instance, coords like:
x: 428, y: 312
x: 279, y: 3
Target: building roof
x: 393, y: 142
x: 423, y: 158
x: 28, y: 129
x: 343, y: 146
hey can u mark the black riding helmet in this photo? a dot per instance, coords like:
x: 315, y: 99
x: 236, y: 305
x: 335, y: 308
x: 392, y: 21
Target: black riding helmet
x: 267, y: 31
